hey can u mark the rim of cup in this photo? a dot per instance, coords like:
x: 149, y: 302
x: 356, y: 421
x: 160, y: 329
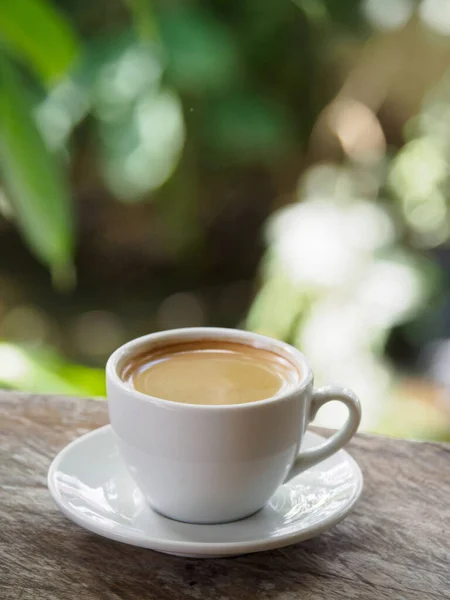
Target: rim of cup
x: 256, y: 340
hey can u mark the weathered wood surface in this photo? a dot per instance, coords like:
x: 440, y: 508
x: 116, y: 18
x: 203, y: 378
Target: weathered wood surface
x: 396, y: 544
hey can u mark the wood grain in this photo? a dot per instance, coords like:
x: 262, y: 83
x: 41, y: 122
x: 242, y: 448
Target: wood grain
x: 395, y: 545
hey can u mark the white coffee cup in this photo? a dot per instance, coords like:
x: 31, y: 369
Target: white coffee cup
x: 217, y: 463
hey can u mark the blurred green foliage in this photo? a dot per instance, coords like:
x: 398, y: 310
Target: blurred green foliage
x: 194, y: 113
x: 35, y: 185
x: 136, y: 82
x: 33, y: 34
x: 43, y: 371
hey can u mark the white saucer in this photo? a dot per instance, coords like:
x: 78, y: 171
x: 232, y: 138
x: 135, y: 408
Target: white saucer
x: 91, y: 485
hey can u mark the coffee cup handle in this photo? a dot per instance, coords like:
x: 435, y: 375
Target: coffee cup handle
x: 308, y: 458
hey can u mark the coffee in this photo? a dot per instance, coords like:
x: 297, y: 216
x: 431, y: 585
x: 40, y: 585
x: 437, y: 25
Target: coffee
x: 210, y: 372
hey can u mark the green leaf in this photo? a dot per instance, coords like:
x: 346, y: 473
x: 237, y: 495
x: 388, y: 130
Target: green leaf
x: 144, y: 19
x: 278, y: 305
x: 143, y: 145
x: 201, y: 52
x: 35, y: 184
x: 43, y: 371
x: 34, y: 30
x: 247, y: 128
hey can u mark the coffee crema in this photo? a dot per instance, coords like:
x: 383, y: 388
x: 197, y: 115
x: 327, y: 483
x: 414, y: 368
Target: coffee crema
x: 210, y: 372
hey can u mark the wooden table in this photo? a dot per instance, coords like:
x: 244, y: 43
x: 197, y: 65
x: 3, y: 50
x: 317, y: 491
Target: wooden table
x: 395, y: 545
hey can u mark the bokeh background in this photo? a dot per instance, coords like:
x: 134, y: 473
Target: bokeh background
x: 281, y: 166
